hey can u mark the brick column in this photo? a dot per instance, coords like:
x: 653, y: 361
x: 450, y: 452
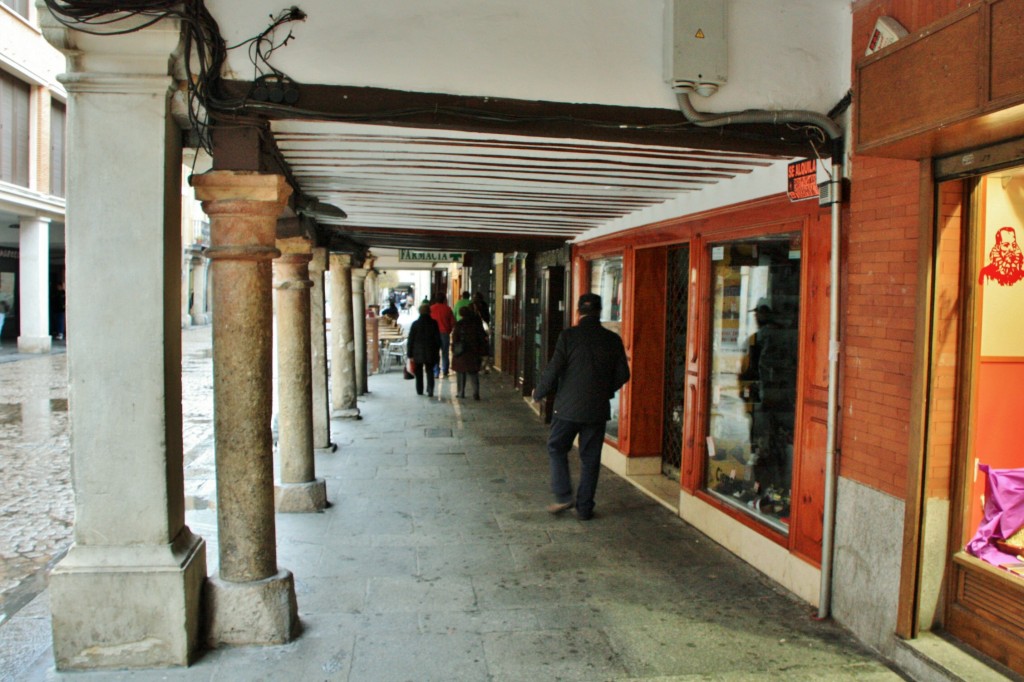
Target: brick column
x: 299, y: 489
x: 250, y: 601
x: 318, y: 349
x: 343, y: 347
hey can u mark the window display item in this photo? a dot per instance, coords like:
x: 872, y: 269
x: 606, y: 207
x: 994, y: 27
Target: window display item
x: 1003, y: 520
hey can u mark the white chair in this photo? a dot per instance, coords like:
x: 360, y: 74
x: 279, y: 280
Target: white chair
x: 395, y: 350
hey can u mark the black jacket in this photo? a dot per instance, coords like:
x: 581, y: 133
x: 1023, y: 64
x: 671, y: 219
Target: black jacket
x: 588, y: 366
x: 425, y: 341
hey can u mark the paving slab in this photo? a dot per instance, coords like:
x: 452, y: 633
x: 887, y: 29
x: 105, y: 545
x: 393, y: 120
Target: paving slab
x: 435, y: 560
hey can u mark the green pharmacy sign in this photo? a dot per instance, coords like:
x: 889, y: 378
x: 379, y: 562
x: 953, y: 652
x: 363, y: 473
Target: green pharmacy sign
x: 429, y: 256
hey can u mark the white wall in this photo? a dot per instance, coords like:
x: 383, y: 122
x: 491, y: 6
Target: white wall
x: 782, y: 53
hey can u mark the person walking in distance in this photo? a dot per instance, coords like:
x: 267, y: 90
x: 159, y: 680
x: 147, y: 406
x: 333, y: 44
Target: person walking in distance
x: 469, y: 345
x: 424, y: 344
x: 445, y: 318
x: 589, y: 365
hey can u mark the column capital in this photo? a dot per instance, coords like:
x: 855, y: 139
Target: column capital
x: 291, y: 269
x: 295, y: 246
x: 342, y: 259
x: 244, y: 205
x: 241, y: 186
x: 144, y: 52
x: 319, y: 261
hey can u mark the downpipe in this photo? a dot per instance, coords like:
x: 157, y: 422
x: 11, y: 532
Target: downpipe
x: 835, y: 134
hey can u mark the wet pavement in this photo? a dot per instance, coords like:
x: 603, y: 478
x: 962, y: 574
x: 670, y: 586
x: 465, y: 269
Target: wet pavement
x: 36, y: 503
x: 436, y: 560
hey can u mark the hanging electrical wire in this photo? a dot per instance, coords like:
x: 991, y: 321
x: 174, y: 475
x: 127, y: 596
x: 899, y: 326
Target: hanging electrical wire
x: 273, y: 93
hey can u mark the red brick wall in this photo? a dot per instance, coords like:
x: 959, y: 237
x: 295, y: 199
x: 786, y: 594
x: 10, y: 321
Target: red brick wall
x: 878, y: 304
x: 880, y: 287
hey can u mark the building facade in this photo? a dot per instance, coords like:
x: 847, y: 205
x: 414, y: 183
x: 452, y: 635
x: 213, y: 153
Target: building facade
x: 32, y: 177
x: 818, y: 385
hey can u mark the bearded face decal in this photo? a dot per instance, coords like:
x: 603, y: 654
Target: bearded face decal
x: 1006, y: 262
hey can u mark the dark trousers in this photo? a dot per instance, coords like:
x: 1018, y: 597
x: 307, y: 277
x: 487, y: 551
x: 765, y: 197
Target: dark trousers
x: 419, y: 369
x: 563, y: 433
x: 460, y: 383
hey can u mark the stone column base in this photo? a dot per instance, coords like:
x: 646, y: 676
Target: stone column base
x: 257, y: 612
x: 292, y: 498
x: 34, y: 344
x: 331, y: 447
x: 128, y: 607
x: 346, y: 413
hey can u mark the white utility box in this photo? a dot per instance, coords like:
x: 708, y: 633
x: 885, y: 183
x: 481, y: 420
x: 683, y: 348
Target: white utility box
x: 696, y: 49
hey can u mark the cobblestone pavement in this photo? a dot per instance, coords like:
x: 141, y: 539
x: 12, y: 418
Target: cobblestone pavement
x: 36, y: 503
x: 36, y: 499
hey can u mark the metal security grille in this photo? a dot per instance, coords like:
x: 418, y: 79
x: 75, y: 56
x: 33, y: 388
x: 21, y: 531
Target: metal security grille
x: 675, y: 360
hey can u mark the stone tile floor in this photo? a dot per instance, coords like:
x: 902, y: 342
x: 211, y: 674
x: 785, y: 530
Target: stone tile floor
x: 436, y: 561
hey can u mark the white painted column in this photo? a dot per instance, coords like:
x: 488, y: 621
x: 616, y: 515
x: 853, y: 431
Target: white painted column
x: 343, y: 347
x: 34, y: 280
x: 186, y: 279
x: 199, y: 280
x: 318, y: 349
x: 127, y: 595
x: 359, y: 326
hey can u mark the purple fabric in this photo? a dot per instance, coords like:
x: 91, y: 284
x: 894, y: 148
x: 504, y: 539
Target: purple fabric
x: 1004, y: 514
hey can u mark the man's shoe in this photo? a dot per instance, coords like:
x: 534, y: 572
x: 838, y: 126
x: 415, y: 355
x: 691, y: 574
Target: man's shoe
x: 559, y: 507
x: 584, y: 517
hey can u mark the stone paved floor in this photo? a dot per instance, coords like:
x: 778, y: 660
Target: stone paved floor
x: 36, y: 505
x: 436, y: 561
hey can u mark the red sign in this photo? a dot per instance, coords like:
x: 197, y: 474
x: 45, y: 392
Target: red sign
x: 802, y: 180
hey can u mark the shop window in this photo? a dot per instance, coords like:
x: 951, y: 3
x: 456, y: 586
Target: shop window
x: 14, y: 130
x: 606, y: 281
x: 996, y: 373
x: 753, y: 357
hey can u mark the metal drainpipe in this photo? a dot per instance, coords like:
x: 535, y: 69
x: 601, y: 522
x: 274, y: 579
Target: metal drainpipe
x: 835, y: 134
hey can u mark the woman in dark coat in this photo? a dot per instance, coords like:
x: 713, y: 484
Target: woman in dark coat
x: 469, y: 346
x: 424, y: 349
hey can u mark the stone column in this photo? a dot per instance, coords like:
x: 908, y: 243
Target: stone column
x: 359, y: 324
x: 34, y: 278
x: 299, y: 490
x: 318, y: 350
x: 250, y: 601
x: 186, y: 281
x: 198, y: 311
x: 372, y: 292
x: 127, y: 595
x: 343, y: 347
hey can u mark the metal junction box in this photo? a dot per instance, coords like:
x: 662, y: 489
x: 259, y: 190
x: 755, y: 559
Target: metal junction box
x: 696, y: 48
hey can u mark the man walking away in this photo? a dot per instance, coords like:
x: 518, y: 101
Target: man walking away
x: 445, y: 318
x: 423, y: 346
x: 589, y: 365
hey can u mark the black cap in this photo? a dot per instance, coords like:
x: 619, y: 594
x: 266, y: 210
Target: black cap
x: 589, y: 304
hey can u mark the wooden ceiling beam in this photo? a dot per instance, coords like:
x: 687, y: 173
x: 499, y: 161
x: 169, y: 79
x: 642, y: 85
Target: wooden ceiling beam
x: 497, y: 115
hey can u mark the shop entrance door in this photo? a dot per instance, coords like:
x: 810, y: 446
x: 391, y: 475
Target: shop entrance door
x: 985, y: 594
x: 676, y: 317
